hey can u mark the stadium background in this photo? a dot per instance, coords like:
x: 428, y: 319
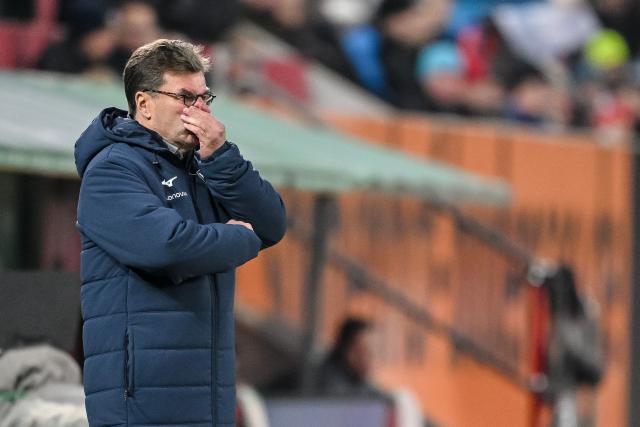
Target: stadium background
x: 444, y: 279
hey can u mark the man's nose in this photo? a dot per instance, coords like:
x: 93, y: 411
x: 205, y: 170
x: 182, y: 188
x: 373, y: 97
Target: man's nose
x: 200, y: 104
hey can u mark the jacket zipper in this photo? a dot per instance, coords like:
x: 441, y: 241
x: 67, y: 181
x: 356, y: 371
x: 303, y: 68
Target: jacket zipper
x: 128, y: 367
x: 193, y: 184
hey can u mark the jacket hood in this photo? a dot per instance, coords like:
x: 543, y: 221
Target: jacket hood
x: 110, y: 127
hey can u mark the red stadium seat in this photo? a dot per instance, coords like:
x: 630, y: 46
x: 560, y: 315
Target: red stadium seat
x: 21, y: 43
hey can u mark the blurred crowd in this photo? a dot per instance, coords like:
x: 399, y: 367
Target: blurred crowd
x: 550, y: 63
x: 553, y: 63
x: 99, y: 36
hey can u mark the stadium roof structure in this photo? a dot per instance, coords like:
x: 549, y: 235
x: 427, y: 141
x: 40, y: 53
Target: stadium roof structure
x: 42, y: 115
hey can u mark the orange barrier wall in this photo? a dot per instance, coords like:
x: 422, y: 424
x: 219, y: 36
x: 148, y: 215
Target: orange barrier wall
x: 571, y: 203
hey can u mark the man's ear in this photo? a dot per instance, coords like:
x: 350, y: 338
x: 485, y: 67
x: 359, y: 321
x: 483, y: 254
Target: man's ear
x: 143, y: 105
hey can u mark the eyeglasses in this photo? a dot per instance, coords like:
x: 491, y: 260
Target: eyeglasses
x: 188, y: 99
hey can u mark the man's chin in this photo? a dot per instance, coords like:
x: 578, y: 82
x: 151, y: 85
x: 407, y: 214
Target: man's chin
x: 188, y: 142
x: 192, y: 140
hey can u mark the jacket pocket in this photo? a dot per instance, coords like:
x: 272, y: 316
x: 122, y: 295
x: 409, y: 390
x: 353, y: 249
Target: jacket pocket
x: 128, y: 365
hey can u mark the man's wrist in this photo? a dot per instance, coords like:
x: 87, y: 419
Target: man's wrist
x: 206, y: 152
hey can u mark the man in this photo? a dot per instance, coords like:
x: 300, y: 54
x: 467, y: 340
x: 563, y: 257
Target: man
x: 164, y: 224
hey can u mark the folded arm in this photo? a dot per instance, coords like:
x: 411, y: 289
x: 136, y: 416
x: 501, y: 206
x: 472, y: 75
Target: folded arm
x: 238, y: 187
x: 119, y: 213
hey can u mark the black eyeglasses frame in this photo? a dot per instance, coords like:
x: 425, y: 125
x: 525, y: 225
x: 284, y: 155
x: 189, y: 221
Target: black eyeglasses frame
x: 206, y: 97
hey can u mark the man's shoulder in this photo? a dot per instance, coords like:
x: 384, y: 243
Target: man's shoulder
x: 118, y: 153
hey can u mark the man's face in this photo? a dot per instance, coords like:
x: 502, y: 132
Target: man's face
x: 165, y: 110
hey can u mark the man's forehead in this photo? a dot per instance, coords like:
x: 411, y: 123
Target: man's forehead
x: 184, y: 81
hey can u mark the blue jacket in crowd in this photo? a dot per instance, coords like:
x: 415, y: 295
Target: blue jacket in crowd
x: 158, y: 273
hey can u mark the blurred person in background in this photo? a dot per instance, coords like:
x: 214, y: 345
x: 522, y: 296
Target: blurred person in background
x: 100, y: 37
x: 489, y: 67
x: 203, y: 21
x: 277, y: 16
x: 135, y: 23
x: 346, y: 370
x: 406, y: 26
x: 440, y: 71
x: 168, y: 208
x: 485, y: 98
x: 86, y: 45
x: 382, y: 45
x: 528, y: 101
x: 86, y: 49
x: 606, y: 97
x: 575, y: 359
x: 303, y: 26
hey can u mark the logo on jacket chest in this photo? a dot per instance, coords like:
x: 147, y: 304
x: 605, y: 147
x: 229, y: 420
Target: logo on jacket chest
x: 169, y: 184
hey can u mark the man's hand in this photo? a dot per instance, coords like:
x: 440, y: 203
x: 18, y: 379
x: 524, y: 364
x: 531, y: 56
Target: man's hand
x: 238, y: 222
x: 209, y: 131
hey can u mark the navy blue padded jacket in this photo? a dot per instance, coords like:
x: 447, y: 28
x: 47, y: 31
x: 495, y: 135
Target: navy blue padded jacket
x: 158, y: 273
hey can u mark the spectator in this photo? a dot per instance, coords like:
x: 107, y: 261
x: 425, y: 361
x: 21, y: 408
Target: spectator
x: 347, y: 367
x: 485, y: 98
x: 605, y: 97
x: 77, y: 13
x: 575, y: 356
x: 440, y: 71
x: 101, y: 39
x: 490, y: 66
x: 205, y: 21
x: 135, y: 24
x: 380, y: 39
x: 296, y: 22
x: 86, y: 49
x: 406, y: 26
x: 528, y: 100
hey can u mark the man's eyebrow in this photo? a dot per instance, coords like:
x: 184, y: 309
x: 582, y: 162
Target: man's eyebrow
x: 188, y: 92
